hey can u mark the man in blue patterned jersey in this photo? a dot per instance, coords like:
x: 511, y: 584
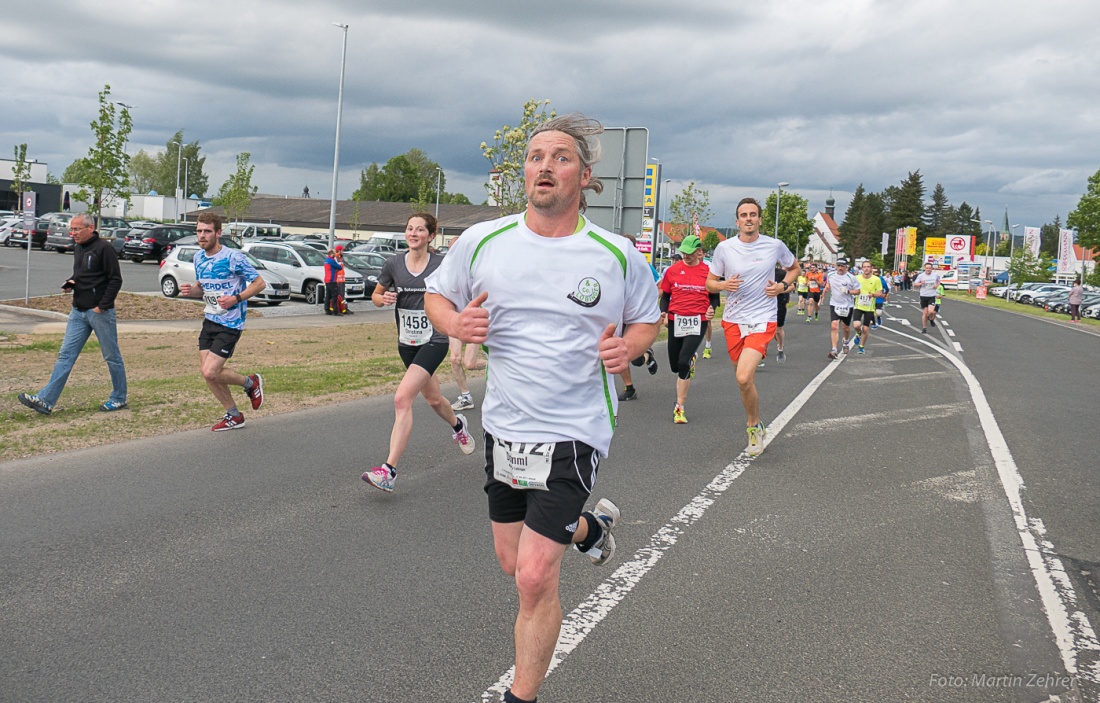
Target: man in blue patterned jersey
x: 226, y: 279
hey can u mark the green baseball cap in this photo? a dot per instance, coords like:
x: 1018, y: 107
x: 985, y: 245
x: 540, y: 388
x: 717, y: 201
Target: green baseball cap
x: 690, y: 244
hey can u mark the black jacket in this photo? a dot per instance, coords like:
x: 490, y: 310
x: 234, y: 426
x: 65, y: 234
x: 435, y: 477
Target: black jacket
x: 97, y: 278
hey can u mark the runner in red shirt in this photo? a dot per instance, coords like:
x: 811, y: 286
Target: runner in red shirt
x: 689, y: 309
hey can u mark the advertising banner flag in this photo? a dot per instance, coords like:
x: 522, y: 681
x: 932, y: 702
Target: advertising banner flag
x: 1067, y: 260
x: 911, y: 240
x: 900, y: 246
x: 1032, y: 241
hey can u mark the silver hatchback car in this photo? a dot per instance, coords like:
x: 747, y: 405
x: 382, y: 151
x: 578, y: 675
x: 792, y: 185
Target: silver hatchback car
x: 179, y: 267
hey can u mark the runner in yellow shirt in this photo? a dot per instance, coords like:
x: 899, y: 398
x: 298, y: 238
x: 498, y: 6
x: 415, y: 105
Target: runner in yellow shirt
x: 870, y: 288
x: 803, y: 289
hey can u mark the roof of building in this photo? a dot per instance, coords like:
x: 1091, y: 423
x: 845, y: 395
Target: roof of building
x: 373, y: 215
x: 830, y: 238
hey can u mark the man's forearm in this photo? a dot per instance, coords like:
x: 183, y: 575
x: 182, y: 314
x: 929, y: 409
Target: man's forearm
x: 640, y: 336
x: 441, y: 312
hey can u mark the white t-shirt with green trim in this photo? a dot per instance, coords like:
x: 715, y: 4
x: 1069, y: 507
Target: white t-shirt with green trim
x: 550, y: 300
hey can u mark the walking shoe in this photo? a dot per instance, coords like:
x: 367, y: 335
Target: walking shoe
x: 628, y: 394
x: 229, y: 423
x: 111, y: 405
x: 924, y: 330
x: 678, y: 415
x: 932, y: 321
x: 801, y: 312
x: 832, y: 353
x: 760, y: 365
x: 381, y: 478
x: 781, y: 356
x: 874, y: 325
x: 652, y: 363
x: 706, y: 352
x: 35, y: 403
x: 809, y: 319
x: 465, y: 402
x: 860, y: 350
x: 816, y: 318
x: 463, y: 438
x: 757, y: 433
x: 608, y: 515
x: 256, y: 395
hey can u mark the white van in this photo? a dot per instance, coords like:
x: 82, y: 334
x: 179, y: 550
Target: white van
x: 244, y: 231
x: 392, y: 242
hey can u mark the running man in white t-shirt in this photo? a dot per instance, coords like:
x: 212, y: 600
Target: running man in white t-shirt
x: 561, y: 305
x: 929, y: 283
x: 747, y: 263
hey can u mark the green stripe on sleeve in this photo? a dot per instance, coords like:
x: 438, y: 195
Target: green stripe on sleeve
x: 612, y: 248
x: 485, y: 241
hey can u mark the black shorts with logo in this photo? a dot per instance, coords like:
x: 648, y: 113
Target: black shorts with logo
x: 427, y: 356
x: 847, y: 319
x: 864, y: 317
x: 218, y: 339
x: 552, y: 513
x: 927, y: 301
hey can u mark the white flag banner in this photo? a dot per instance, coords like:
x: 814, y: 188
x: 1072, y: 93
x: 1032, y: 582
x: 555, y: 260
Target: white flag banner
x: 1032, y: 239
x: 1067, y: 260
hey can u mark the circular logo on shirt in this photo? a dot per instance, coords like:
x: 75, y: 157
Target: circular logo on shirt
x: 587, y: 293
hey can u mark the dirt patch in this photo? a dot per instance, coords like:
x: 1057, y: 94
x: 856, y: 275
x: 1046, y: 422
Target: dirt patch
x: 129, y: 306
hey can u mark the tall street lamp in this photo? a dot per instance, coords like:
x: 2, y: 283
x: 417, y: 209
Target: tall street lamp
x: 336, y: 156
x: 438, y: 179
x: 989, y: 240
x: 797, y: 241
x: 179, y: 157
x: 186, y: 173
x: 778, y: 197
x: 1011, y: 248
x: 668, y: 184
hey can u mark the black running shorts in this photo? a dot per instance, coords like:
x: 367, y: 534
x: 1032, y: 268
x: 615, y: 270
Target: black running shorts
x: 927, y: 301
x: 218, y: 339
x: 552, y: 513
x: 847, y: 319
x: 427, y: 356
x: 866, y: 317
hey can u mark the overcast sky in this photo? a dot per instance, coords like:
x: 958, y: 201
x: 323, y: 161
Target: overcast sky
x: 995, y: 100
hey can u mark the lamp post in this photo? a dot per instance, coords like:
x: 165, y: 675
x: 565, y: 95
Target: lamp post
x: 438, y: 179
x: 336, y: 156
x: 185, y: 174
x: 179, y: 157
x: 668, y: 184
x: 797, y: 241
x: 778, y: 198
x: 1011, y: 249
x: 989, y: 240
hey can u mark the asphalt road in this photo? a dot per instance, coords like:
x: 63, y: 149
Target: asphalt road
x: 872, y: 553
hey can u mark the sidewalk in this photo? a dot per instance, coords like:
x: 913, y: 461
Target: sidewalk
x: 28, y: 321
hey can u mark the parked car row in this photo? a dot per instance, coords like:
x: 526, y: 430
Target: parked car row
x: 178, y: 267
x: 1052, y: 297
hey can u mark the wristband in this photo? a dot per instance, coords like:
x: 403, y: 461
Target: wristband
x: 239, y: 298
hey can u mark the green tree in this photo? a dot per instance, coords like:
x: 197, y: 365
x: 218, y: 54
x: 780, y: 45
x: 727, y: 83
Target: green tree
x: 190, y: 166
x: 143, y: 172
x: 937, y: 215
x: 396, y: 182
x: 905, y: 205
x: 1024, y: 267
x: 236, y: 193
x: 792, y: 218
x: 20, y: 173
x: 863, y: 225
x: 1048, y: 237
x: 106, y: 169
x: 711, y: 241
x: 74, y: 172
x: 690, y: 202
x: 1086, y: 216
x: 508, y: 153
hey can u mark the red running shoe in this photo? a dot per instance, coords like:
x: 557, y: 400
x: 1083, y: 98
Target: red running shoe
x: 256, y: 395
x: 229, y: 423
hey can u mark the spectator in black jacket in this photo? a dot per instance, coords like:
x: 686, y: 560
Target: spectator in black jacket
x: 95, y: 282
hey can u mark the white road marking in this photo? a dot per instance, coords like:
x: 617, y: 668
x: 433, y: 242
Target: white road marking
x: 584, y: 618
x: 958, y: 347
x: 890, y: 417
x: 951, y: 332
x: 899, y: 376
x: 1073, y: 633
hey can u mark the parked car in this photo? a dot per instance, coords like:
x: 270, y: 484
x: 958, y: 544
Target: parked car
x: 254, y: 230
x: 1091, y: 312
x: 58, y: 234
x: 368, y: 264
x: 38, y: 235
x: 306, y: 237
x: 1029, y: 296
x: 151, y: 244
x: 1062, y: 303
x: 7, y: 225
x: 178, y: 267
x: 1015, y: 291
x: 304, y: 267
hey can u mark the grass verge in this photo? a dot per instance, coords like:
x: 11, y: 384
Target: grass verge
x: 993, y: 301
x: 301, y: 368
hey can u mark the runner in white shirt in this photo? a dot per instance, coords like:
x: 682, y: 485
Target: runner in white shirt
x: 561, y: 306
x: 841, y: 286
x: 929, y: 283
x: 747, y: 263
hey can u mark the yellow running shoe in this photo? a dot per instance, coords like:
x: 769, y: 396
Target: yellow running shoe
x: 756, y: 439
x: 706, y: 352
x: 678, y: 415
